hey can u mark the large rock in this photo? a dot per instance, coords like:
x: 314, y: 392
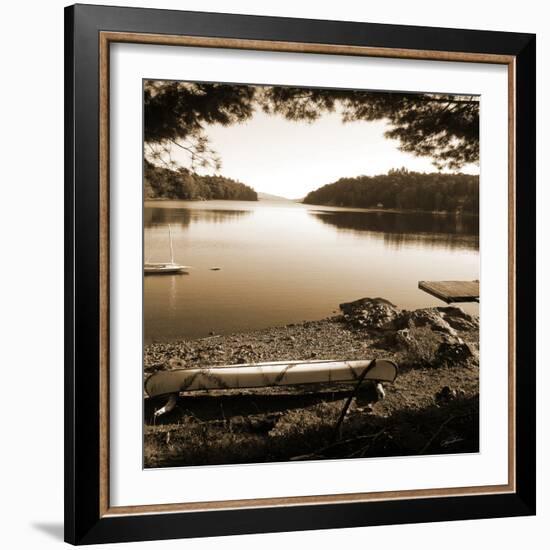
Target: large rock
x: 371, y: 313
x: 431, y: 318
x: 453, y: 353
x: 458, y: 318
x: 429, y: 336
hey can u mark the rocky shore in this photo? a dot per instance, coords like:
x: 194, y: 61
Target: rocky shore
x: 431, y: 408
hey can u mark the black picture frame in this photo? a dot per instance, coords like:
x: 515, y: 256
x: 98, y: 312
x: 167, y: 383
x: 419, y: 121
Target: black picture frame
x: 84, y: 522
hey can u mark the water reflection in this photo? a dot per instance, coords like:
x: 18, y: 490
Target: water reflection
x: 283, y: 262
x: 398, y: 229
x: 159, y: 216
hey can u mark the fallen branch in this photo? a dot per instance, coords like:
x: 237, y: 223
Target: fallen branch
x: 341, y: 443
x: 361, y: 452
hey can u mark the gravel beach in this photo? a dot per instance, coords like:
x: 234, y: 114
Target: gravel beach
x: 432, y: 407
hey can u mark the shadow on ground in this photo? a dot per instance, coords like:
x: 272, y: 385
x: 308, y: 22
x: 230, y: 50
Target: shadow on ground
x: 210, y: 430
x: 53, y: 530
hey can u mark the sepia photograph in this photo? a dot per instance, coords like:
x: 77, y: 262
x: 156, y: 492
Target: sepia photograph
x: 299, y: 273
x: 310, y: 273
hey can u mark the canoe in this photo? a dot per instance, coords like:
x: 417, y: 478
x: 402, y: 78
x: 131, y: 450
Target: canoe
x: 259, y: 375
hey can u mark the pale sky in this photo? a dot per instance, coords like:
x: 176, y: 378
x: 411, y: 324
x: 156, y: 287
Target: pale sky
x: 281, y: 157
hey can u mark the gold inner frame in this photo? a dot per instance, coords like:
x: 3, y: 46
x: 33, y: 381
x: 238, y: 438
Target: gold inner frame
x: 105, y: 39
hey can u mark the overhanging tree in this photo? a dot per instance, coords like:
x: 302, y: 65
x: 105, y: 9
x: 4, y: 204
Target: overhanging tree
x: 442, y: 127
x: 176, y: 114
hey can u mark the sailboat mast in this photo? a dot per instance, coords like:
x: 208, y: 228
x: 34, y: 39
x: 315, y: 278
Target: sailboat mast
x: 171, y: 248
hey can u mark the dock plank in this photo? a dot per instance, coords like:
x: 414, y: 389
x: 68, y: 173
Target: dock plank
x: 452, y: 291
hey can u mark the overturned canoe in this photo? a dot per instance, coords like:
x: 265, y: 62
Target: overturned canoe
x: 258, y: 375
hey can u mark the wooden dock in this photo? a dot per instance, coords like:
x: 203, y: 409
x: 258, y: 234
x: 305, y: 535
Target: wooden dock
x: 452, y: 291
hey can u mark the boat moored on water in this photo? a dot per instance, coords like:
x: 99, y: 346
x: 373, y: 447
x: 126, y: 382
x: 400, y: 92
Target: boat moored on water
x: 171, y: 267
x: 159, y: 268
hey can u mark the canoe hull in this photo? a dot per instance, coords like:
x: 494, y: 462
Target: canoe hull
x: 164, y: 269
x: 258, y: 375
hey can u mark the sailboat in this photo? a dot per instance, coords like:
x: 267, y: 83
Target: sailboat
x: 152, y: 268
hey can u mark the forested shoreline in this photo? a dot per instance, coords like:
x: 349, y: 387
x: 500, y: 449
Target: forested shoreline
x: 398, y: 189
x: 182, y: 184
x: 402, y: 189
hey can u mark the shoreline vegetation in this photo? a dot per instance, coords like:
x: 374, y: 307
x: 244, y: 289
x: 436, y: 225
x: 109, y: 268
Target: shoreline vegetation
x: 183, y: 184
x: 398, y: 191
x: 432, y: 408
x: 403, y: 190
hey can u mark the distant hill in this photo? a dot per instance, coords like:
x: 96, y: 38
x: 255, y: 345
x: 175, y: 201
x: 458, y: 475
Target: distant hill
x: 269, y: 197
x: 163, y: 183
x: 402, y: 189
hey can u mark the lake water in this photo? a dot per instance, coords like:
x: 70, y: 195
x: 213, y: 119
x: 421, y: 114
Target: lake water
x: 282, y: 262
